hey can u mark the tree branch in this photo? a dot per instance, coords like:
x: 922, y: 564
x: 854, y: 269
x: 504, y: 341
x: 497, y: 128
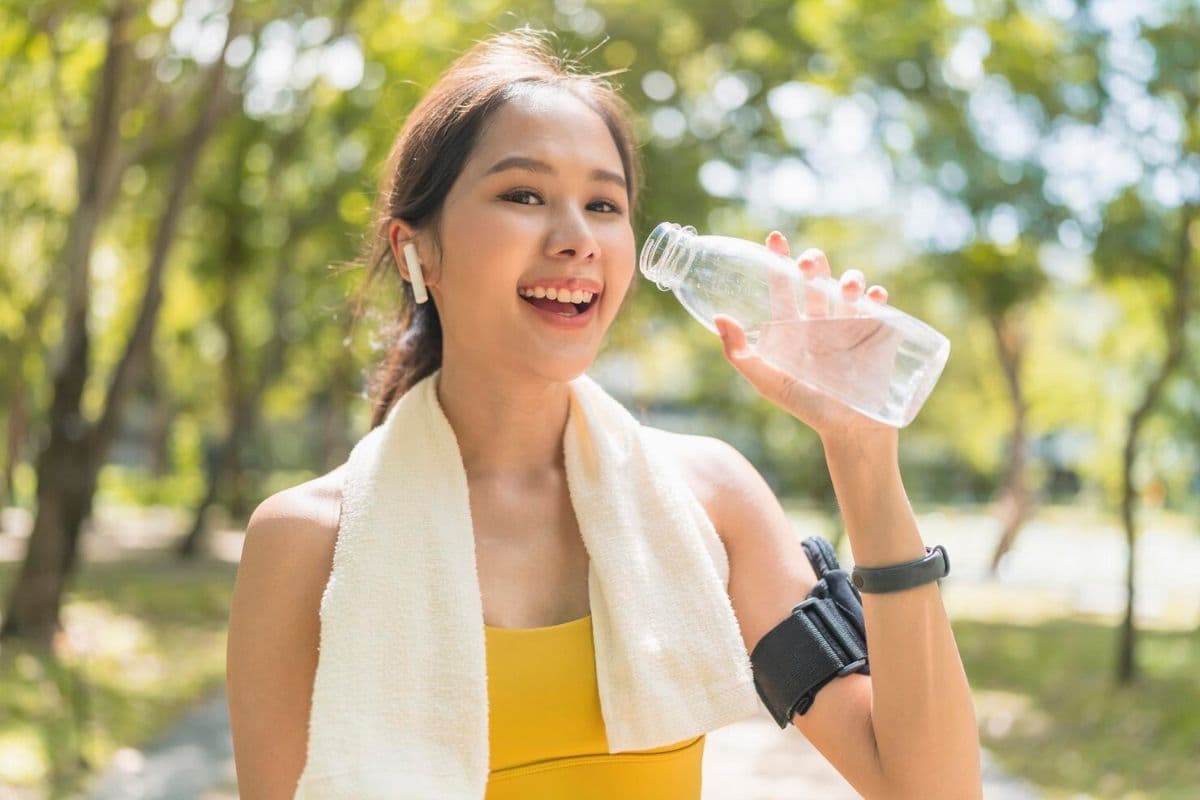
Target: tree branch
x: 215, y: 106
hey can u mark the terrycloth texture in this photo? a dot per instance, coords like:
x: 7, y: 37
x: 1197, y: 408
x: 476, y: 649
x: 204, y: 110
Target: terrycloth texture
x: 399, y: 706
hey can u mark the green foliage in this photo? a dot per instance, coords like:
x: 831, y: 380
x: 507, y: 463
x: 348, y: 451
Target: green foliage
x: 254, y: 310
x: 1047, y: 710
x: 1134, y: 240
x: 133, y: 486
x: 996, y: 281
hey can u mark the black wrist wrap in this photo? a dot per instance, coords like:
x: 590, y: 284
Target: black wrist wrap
x: 823, y: 638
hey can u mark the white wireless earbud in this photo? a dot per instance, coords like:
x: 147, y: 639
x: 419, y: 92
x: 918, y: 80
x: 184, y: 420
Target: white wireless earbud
x: 414, y: 273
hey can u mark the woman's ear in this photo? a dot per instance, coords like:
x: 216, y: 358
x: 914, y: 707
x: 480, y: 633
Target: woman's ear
x: 400, y: 232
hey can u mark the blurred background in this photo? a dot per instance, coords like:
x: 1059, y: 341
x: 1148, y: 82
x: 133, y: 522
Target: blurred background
x: 183, y: 185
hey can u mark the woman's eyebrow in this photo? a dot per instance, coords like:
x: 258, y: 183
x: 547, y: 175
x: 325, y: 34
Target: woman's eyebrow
x: 534, y: 165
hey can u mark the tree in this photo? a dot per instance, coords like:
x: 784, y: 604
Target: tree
x: 68, y: 465
x: 1159, y: 248
x: 1149, y: 235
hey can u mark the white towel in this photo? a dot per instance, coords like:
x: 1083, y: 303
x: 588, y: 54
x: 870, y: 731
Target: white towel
x: 400, y: 707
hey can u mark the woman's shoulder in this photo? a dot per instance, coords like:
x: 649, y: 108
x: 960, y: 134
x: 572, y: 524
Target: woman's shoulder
x: 705, y: 463
x: 306, y: 515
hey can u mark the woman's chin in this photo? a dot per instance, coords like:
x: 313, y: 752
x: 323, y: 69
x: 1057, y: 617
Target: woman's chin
x: 562, y: 364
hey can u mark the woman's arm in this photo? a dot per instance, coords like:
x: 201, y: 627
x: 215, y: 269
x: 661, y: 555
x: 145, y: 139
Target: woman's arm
x: 908, y: 729
x: 274, y: 630
x: 922, y: 712
x: 769, y: 574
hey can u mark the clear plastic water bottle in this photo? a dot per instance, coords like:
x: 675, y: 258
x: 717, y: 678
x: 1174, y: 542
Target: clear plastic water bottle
x: 869, y: 355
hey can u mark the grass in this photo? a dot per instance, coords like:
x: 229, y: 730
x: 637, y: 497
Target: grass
x: 1050, y: 712
x: 144, y: 641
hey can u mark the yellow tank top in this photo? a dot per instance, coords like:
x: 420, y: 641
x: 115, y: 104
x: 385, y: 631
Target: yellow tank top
x: 545, y: 731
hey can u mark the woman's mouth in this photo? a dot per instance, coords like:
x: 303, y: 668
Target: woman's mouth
x: 570, y: 315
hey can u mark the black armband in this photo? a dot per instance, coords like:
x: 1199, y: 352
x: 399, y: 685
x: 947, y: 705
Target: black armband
x: 823, y: 638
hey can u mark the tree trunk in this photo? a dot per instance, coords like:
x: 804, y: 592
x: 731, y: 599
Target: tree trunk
x: 65, y: 479
x: 67, y: 469
x: 189, y: 546
x: 1014, y: 503
x: 226, y: 464
x: 19, y: 413
x: 14, y: 443
x: 62, y: 505
x: 1176, y: 328
x: 158, y: 426
x: 244, y: 392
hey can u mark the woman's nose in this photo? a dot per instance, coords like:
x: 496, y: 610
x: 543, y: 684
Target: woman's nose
x: 573, y: 237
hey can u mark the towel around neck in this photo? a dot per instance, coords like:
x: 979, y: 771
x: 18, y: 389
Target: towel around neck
x: 399, y: 705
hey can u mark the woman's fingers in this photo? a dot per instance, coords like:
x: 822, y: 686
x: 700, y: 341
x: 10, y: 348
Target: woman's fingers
x: 781, y: 286
x: 878, y: 294
x: 778, y: 242
x: 853, y: 282
x: 814, y: 264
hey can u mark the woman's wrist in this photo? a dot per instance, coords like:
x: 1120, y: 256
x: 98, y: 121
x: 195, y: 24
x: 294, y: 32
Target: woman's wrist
x: 862, y: 448
x: 879, y: 519
x: 861, y: 465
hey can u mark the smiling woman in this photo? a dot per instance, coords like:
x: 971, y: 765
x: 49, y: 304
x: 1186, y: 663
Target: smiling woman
x: 484, y: 152
x: 515, y: 179
x: 546, y: 636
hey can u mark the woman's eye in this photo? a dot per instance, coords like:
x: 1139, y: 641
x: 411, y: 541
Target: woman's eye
x: 518, y: 195
x: 613, y: 208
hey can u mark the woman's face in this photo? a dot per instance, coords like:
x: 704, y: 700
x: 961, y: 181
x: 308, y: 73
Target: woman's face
x: 540, y: 202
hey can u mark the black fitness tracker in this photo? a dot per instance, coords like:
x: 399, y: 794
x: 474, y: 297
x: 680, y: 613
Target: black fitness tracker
x: 935, y: 564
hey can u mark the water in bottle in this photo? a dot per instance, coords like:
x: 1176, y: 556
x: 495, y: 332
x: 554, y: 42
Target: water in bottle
x: 871, y: 356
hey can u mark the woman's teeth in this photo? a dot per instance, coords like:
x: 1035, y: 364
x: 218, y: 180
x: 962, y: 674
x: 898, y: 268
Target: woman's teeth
x: 563, y: 296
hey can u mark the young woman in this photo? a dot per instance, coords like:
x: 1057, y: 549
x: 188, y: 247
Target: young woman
x: 515, y: 182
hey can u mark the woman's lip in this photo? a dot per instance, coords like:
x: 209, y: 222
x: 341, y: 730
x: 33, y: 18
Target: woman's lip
x: 570, y: 323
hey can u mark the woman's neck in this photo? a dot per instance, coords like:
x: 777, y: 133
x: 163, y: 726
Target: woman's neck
x: 504, y: 429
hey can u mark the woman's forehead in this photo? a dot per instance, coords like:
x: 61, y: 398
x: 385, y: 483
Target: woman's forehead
x: 549, y: 124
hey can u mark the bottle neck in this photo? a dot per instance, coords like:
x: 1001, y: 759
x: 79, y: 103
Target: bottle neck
x: 668, y: 254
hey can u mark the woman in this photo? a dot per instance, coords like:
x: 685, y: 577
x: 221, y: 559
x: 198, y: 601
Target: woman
x: 513, y: 187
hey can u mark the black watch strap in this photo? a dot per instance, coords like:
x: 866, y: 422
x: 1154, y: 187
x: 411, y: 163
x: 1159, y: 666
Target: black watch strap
x: 935, y: 564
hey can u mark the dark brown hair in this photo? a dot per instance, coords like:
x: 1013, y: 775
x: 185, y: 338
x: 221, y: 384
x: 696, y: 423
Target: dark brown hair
x: 427, y: 157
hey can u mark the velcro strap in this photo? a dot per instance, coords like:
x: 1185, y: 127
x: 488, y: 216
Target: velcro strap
x: 814, y: 645
x: 820, y: 554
